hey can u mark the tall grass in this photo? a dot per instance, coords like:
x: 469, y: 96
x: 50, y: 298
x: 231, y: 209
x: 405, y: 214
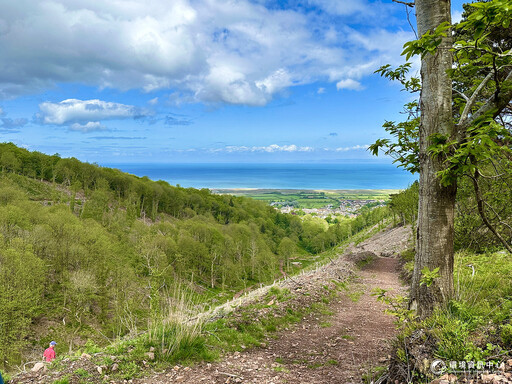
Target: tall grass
x: 177, y: 334
x: 476, y: 323
x: 174, y: 336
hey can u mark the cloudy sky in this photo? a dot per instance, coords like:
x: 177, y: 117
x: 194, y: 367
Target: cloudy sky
x: 131, y: 81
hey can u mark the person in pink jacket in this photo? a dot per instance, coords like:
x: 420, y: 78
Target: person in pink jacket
x: 49, y: 353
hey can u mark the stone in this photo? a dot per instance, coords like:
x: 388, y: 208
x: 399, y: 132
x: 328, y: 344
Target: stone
x: 152, y: 349
x: 498, y: 379
x: 85, y: 356
x: 100, y: 370
x: 150, y: 355
x: 509, y: 362
x: 37, y: 367
x: 115, y: 367
x: 487, y: 378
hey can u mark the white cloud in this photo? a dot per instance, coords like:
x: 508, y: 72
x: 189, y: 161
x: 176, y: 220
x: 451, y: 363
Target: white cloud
x: 268, y: 148
x: 353, y: 148
x: 85, y: 111
x: 277, y: 81
x: 153, y: 101
x: 349, y: 84
x: 320, y: 90
x: 88, y: 127
x: 222, y: 51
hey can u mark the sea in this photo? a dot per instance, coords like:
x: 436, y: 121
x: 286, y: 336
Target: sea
x: 346, y: 175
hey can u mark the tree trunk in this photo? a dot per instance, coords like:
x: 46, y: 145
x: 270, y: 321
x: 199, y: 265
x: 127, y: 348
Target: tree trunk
x: 436, y: 202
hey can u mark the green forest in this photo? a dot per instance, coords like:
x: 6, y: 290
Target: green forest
x: 93, y: 254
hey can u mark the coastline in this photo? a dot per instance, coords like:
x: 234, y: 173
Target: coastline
x: 295, y: 190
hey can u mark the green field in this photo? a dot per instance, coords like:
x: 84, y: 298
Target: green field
x: 310, y: 198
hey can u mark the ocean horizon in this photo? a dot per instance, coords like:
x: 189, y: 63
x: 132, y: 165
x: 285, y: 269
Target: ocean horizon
x: 346, y: 175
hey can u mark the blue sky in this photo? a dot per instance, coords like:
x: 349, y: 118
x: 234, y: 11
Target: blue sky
x: 121, y: 81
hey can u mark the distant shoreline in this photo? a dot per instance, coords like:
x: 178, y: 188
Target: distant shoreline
x: 295, y: 190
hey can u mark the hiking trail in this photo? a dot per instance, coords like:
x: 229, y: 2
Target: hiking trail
x: 349, y: 344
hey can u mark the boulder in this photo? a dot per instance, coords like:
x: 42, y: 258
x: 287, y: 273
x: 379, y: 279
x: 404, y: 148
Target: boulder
x: 37, y: 367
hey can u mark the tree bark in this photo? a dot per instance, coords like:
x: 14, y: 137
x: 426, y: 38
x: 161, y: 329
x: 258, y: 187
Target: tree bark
x: 436, y: 202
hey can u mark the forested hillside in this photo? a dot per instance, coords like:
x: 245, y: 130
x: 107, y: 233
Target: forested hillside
x: 92, y: 253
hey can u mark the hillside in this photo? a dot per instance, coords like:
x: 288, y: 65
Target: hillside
x: 90, y: 254
x: 331, y: 329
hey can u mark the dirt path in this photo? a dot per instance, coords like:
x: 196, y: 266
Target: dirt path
x: 336, y: 349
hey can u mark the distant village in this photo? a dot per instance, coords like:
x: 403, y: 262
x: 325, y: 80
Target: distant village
x: 348, y: 208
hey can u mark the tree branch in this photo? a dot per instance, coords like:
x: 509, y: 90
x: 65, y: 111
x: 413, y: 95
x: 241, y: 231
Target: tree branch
x: 462, y: 94
x: 409, y: 4
x: 472, y: 99
x: 483, y: 50
x: 481, y: 211
x: 408, y: 12
x: 493, y: 105
x: 498, y: 216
